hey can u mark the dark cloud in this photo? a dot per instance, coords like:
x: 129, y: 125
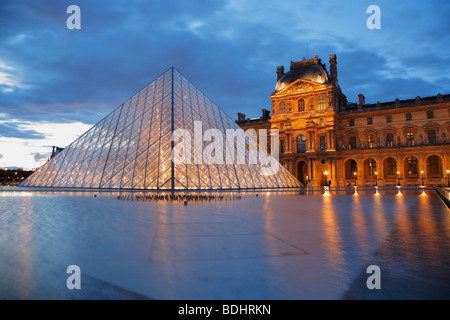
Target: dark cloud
x: 39, y: 157
x: 230, y: 54
x: 13, y: 130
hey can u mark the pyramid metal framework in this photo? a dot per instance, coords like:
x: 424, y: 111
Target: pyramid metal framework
x: 131, y: 148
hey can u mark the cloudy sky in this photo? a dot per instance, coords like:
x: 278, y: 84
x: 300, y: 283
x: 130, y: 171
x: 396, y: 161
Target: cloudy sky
x: 55, y: 83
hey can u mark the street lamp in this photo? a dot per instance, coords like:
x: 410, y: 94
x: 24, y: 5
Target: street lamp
x: 376, y: 178
x: 398, y: 178
x: 326, y: 176
x: 354, y: 174
x: 421, y: 172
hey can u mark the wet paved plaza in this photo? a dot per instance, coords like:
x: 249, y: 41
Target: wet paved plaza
x: 277, y: 245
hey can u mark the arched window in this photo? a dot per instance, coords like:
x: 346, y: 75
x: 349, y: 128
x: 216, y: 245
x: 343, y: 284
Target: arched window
x: 301, y: 143
x: 371, y: 166
x: 321, y: 102
x: 412, y: 166
x: 434, y: 165
x: 301, y: 105
x: 282, y: 107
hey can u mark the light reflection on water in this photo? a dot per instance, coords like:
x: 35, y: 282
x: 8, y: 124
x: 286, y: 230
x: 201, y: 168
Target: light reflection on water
x: 331, y: 240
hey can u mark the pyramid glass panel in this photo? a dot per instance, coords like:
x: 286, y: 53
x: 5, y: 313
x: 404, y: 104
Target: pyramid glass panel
x: 131, y: 148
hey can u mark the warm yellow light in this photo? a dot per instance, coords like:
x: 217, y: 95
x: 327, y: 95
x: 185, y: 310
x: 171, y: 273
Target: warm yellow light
x: 326, y: 172
x: 354, y: 173
x: 376, y: 173
x: 398, y: 172
x: 421, y: 172
x: 448, y: 171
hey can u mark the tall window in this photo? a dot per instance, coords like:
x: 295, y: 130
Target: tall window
x: 391, y: 166
x: 352, y: 122
x: 323, y: 144
x: 390, y: 139
x: 372, y: 166
x: 301, y: 143
x: 282, y: 145
x: 388, y: 118
x: 412, y: 165
x: 282, y: 107
x: 431, y: 136
x: 321, y: 122
x: 408, y: 116
x: 321, y: 102
x: 371, y: 141
x: 281, y: 126
x: 352, y: 142
x: 370, y: 120
x: 430, y: 114
x: 301, y: 105
x: 410, y: 138
x: 434, y: 165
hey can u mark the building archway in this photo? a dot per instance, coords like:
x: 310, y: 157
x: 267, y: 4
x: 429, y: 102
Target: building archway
x: 351, y: 169
x: 390, y: 168
x: 370, y: 168
x: 302, y: 172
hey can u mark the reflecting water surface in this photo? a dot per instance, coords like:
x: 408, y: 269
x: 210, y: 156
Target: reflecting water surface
x: 268, y: 245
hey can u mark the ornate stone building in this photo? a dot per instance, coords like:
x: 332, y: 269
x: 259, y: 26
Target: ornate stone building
x: 324, y: 138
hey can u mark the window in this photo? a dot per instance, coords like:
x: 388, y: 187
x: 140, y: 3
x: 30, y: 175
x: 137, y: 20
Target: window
x: 323, y: 144
x: 281, y: 126
x: 412, y: 165
x: 282, y: 107
x: 431, y: 136
x: 282, y: 145
x: 369, y: 120
x: 321, y: 122
x: 434, y: 165
x: 353, y: 142
x: 408, y: 116
x: 430, y: 114
x: 371, y: 141
x: 390, y: 139
x: 352, y: 122
x: 391, y: 166
x: 301, y: 105
x: 388, y: 118
x: 321, y: 102
x: 372, y: 167
x: 301, y: 143
x: 410, y: 138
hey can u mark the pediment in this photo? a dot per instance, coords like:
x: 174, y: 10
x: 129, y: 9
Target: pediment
x: 301, y: 86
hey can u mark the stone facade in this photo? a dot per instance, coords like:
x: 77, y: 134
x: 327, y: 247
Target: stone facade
x: 324, y: 138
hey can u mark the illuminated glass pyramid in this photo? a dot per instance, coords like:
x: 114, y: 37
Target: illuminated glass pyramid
x: 131, y: 148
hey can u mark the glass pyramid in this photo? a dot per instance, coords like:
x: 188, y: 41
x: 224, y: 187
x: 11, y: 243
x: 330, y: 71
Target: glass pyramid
x: 131, y: 148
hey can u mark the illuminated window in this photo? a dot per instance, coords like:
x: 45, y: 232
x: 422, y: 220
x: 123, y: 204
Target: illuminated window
x: 372, y: 166
x: 412, y: 165
x: 282, y: 107
x: 321, y: 102
x: 301, y: 143
x: 369, y: 120
x: 321, y: 122
x: 371, y: 141
x: 301, y: 105
x: 410, y: 138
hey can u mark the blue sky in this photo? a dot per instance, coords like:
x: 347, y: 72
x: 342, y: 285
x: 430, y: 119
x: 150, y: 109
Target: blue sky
x: 55, y: 82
